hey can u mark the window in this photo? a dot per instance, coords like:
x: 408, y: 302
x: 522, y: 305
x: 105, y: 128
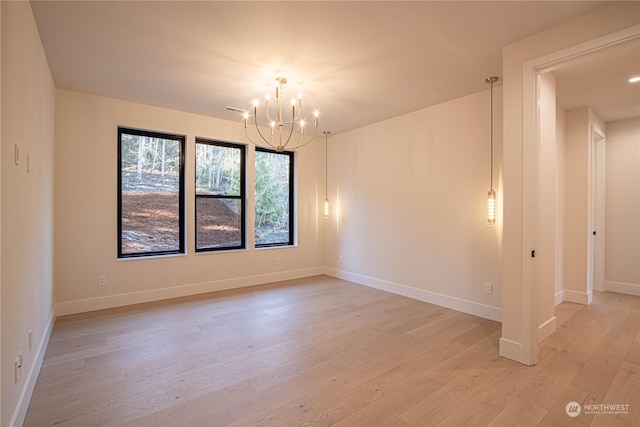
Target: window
x: 274, y: 198
x: 150, y: 193
x: 220, y: 196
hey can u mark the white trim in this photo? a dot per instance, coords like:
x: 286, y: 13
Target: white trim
x: 622, y: 288
x: 458, y: 304
x: 558, y: 297
x: 530, y: 145
x: 577, y: 297
x: 30, y: 383
x: 92, y: 304
x: 546, y: 329
x: 510, y: 349
x: 556, y: 60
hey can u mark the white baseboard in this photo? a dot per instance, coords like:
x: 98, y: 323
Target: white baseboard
x: 111, y: 301
x: 30, y: 382
x: 516, y: 351
x: 577, y: 297
x: 546, y: 329
x: 558, y: 298
x: 510, y: 349
x: 458, y: 304
x: 623, y: 288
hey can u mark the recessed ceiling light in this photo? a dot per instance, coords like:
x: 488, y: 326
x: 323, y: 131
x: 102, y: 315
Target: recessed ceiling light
x: 635, y: 79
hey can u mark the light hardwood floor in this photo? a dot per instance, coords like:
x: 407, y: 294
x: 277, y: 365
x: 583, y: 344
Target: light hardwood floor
x: 322, y: 351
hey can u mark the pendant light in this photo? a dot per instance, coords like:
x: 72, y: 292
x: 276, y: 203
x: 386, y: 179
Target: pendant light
x: 491, y: 197
x: 326, y: 161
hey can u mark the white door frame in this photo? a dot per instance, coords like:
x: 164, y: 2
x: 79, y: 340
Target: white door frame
x: 598, y: 141
x: 530, y: 141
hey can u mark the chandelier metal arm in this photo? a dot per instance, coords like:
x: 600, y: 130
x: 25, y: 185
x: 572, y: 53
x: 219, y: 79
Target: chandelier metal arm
x: 283, y: 141
x: 255, y: 143
x: 270, y: 144
x: 266, y: 110
x: 302, y: 144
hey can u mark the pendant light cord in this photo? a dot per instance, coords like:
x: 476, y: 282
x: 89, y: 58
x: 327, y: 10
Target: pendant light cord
x: 491, y: 134
x: 326, y: 161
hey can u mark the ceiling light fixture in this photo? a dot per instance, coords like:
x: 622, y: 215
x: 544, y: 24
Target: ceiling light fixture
x: 281, y: 128
x: 491, y: 198
x: 326, y: 174
x: 634, y: 79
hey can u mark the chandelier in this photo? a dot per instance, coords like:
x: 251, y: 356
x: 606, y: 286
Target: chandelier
x: 281, y: 127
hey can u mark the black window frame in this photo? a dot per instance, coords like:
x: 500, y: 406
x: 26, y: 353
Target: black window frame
x: 242, y: 197
x: 181, y: 139
x: 292, y: 201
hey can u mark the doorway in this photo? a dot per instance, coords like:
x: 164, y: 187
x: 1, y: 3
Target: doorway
x: 520, y: 335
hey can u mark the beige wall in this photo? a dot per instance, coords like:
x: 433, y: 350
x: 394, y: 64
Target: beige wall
x: 519, y: 327
x: 27, y: 206
x: 577, y: 194
x: 409, y: 205
x: 86, y: 211
x: 622, y: 246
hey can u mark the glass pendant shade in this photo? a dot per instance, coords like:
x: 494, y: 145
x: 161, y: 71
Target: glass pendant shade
x: 491, y: 208
x: 326, y: 208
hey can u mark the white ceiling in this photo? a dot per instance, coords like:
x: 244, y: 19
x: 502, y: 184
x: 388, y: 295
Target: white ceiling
x: 357, y: 62
x: 599, y: 80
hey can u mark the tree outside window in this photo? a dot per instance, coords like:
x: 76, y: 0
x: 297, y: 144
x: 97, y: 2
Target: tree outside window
x: 150, y: 193
x: 274, y: 198
x: 220, y: 199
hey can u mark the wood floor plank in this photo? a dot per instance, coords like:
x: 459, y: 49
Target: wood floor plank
x: 322, y: 351
x: 489, y: 402
x: 463, y: 361
x: 599, y: 372
x: 440, y: 404
x: 519, y: 413
x: 624, y: 390
x: 557, y: 414
x: 545, y: 389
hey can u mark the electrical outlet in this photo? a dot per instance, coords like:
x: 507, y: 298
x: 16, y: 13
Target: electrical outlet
x: 488, y: 288
x: 277, y: 260
x: 102, y: 280
x: 340, y: 259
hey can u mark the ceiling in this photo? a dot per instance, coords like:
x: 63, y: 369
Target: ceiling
x: 599, y: 80
x: 356, y: 62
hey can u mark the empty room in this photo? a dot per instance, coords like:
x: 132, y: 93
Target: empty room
x: 349, y: 213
